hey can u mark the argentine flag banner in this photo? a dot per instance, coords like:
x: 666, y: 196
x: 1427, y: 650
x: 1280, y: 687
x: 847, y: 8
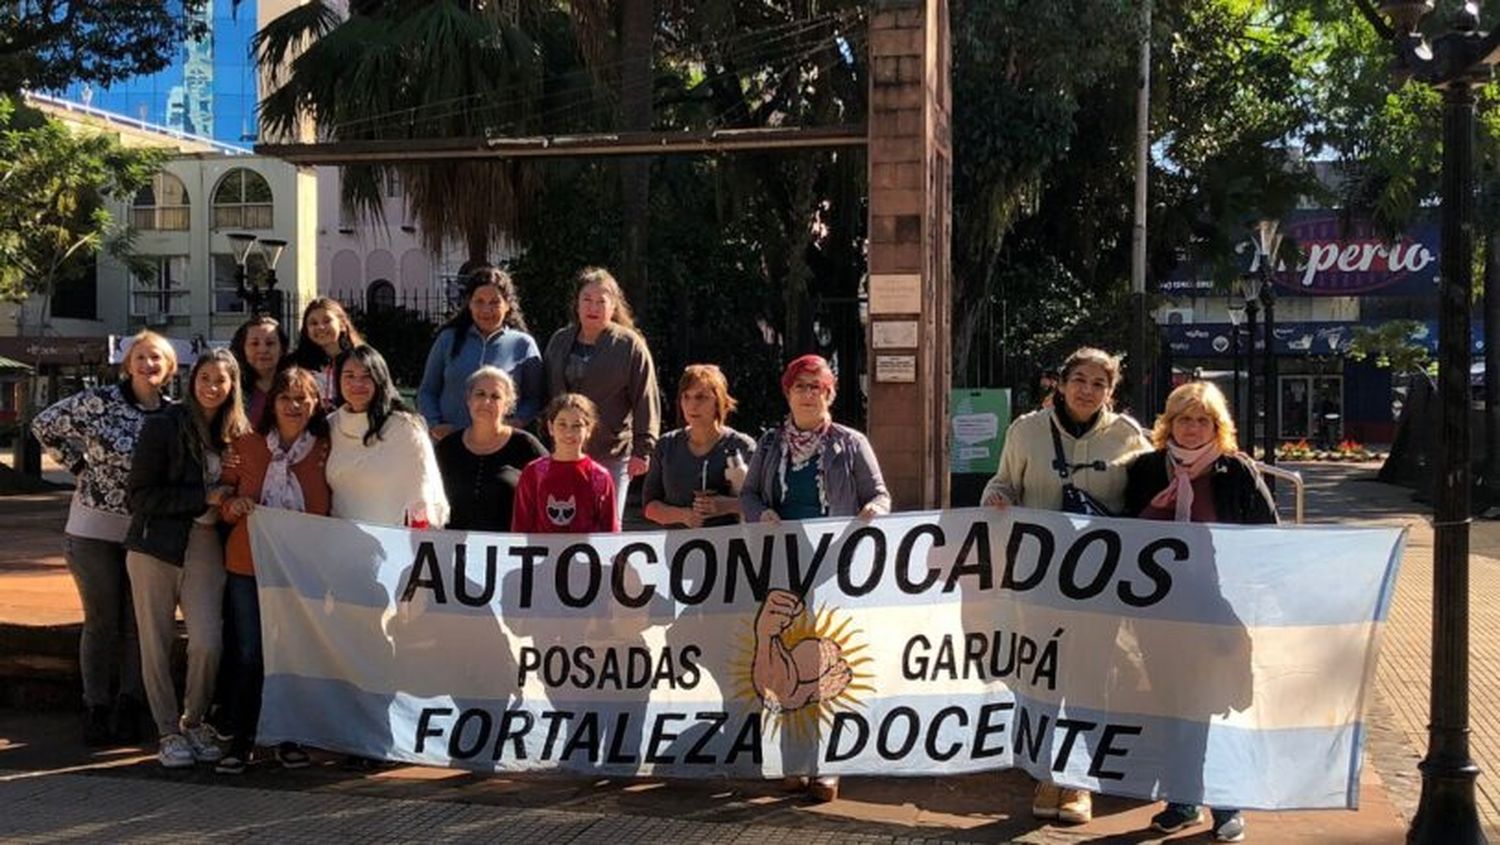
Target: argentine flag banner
x: 1224, y: 665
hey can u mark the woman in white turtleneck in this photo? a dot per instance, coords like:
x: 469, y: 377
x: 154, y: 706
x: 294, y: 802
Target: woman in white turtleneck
x: 381, y: 468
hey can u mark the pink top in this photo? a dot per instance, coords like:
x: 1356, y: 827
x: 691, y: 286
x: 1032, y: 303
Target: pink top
x: 565, y: 497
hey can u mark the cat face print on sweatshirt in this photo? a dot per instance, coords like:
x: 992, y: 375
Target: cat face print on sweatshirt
x: 561, y: 511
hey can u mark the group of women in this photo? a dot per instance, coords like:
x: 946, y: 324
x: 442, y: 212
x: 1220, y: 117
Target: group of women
x: 158, y: 520
x: 1079, y: 456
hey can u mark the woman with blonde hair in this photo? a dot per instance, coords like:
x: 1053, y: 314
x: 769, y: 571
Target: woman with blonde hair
x: 481, y: 463
x: 601, y: 355
x: 1197, y: 474
x: 93, y: 433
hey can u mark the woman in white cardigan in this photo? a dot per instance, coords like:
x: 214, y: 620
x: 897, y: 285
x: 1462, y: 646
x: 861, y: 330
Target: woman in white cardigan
x: 381, y: 468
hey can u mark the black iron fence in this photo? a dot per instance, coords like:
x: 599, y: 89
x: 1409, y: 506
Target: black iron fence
x: 433, y: 305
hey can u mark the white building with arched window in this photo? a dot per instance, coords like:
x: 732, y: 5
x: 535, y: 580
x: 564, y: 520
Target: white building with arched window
x: 191, y: 285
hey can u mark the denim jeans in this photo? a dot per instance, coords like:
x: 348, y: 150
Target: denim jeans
x: 109, y: 644
x: 244, y: 662
x: 619, y: 469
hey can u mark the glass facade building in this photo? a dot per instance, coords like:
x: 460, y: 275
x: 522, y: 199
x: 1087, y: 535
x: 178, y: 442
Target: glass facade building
x: 210, y: 89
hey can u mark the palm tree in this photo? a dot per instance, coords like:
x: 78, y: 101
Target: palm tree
x: 395, y: 70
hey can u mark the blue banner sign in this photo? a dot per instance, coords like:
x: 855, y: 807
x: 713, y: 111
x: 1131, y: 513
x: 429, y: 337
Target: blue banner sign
x: 1212, y: 340
x: 1336, y: 260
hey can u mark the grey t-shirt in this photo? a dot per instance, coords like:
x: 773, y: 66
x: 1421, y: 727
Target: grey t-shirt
x: 676, y: 472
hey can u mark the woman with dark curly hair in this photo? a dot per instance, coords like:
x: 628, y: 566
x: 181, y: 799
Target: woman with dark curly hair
x: 489, y: 330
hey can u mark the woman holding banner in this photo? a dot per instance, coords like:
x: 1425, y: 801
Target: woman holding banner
x: 482, y: 463
x: 278, y: 465
x: 697, y: 471
x: 381, y: 466
x: 1197, y: 474
x: 811, y: 467
x: 93, y: 433
x: 1070, y: 457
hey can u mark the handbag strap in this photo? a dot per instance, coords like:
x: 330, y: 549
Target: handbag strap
x: 1059, y: 461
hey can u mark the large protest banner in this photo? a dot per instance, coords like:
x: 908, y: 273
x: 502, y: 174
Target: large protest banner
x: 1221, y: 664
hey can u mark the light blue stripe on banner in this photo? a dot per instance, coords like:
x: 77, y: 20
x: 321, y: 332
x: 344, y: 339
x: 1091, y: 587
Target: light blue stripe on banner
x: 1121, y: 754
x: 1231, y: 575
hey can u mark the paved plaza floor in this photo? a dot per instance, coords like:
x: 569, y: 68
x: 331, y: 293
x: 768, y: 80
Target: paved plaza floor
x: 53, y: 790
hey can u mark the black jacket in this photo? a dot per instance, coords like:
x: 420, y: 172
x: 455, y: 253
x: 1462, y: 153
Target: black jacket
x: 165, y: 490
x: 1240, y: 496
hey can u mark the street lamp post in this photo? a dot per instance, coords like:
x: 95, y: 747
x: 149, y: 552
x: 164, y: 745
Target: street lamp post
x: 259, y: 295
x: 1250, y: 287
x: 1455, y: 62
x: 1269, y: 242
x: 1236, y: 316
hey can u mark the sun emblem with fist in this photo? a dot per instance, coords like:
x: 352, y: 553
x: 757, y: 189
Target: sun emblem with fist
x: 797, y: 662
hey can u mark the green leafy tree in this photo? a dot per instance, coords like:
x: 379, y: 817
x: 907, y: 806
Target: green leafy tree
x: 48, y: 44
x: 1392, y: 345
x: 58, y: 185
x: 1044, y: 121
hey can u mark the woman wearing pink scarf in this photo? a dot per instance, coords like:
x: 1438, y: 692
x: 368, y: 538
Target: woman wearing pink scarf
x: 1197, y: 474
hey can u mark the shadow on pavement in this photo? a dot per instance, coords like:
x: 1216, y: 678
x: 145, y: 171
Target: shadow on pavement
x: 973, y: 808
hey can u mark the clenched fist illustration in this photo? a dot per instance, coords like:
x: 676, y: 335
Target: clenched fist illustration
x: 813, y: 669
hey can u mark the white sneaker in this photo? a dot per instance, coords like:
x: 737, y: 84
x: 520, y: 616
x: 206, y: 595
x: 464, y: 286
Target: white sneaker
x: 174, y: 752
x: 204, y: 745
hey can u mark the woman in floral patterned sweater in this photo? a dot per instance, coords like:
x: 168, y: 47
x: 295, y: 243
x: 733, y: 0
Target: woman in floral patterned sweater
x: 93, y: 434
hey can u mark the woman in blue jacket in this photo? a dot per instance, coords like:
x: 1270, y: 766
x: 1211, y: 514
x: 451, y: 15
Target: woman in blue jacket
x: 489, y: 329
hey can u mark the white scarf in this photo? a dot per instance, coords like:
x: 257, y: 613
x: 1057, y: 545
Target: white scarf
x: 281, y: 489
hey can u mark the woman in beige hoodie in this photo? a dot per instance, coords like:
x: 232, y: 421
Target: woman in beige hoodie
x: 1097, y: 445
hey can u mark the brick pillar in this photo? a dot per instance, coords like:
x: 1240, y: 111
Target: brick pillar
x: 911, y: 192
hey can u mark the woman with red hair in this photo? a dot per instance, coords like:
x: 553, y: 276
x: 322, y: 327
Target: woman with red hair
x: 693, y: 480
x: 811, y: 467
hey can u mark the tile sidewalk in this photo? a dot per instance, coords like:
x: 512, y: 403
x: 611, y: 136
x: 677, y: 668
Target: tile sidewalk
x: 51, y: 790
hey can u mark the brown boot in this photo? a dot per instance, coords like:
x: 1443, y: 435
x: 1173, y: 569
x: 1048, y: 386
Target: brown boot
x: 1075, y: 806
x: 1044, y: 800
x: 824, y: 789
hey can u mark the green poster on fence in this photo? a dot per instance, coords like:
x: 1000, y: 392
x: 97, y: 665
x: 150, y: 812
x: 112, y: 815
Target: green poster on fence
x: 979, y: 418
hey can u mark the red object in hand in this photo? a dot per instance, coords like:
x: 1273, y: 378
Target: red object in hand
x: 417, y: 521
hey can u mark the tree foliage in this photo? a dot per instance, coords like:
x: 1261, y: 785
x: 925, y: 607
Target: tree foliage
x: 57, y: 185
x: 48, y: 44
x: 1392, y: 345
x: 1044, y: 124
x: 395, y: 70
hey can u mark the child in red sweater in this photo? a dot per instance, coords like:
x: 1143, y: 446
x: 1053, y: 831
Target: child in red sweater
x: 567, y: 493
